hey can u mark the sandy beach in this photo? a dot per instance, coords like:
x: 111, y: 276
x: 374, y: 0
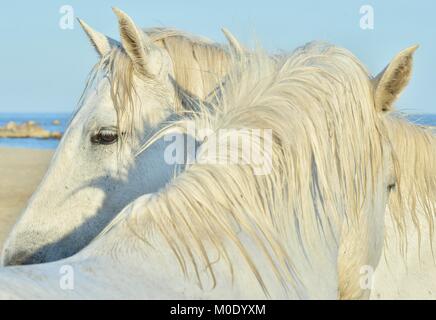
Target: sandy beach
x: 21, y: 170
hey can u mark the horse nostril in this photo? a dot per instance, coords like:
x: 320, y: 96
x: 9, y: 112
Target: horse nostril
x: 3, y: 258
x: 14, y: 259
x: 20, y: 258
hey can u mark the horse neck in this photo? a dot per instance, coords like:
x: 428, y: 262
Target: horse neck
x: 309, y: 283
x: 120, y: 271
x: 153, y: 264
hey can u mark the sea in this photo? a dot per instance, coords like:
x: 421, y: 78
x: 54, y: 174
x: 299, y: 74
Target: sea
x: 45, y: 120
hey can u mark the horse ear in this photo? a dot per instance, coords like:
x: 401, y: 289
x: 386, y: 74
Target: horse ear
x: 393, y: 79
x: 101, y: 43
x: 136, y: 44
x: 234, y: 44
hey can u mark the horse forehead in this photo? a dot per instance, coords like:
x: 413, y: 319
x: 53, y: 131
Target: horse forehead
x: 99, y: 94
x: 96, y: 104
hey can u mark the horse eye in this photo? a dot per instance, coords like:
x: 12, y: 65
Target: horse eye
x: 391, y: 186
x: 105, y: 137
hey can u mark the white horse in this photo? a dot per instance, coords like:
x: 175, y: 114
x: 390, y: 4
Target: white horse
x: 408, y: 268
x: 137, y: 85
x: 276, y: 235
x: 102, y: 195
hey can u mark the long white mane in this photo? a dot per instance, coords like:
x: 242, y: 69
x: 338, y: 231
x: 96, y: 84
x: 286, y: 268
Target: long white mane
x: 326, y: 155
x: 415, y: 196
x: 199, y: 64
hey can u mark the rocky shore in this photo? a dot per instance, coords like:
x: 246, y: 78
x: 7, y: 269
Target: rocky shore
x: 29, y: 129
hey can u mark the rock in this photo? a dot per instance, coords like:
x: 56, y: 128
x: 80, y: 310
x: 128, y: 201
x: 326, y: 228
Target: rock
x: 56, y: 135
x: 56, y: 122
x: 11, y: 126
x: 27, y: 130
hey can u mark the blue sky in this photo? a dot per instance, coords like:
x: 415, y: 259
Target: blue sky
x: 43, y: 67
